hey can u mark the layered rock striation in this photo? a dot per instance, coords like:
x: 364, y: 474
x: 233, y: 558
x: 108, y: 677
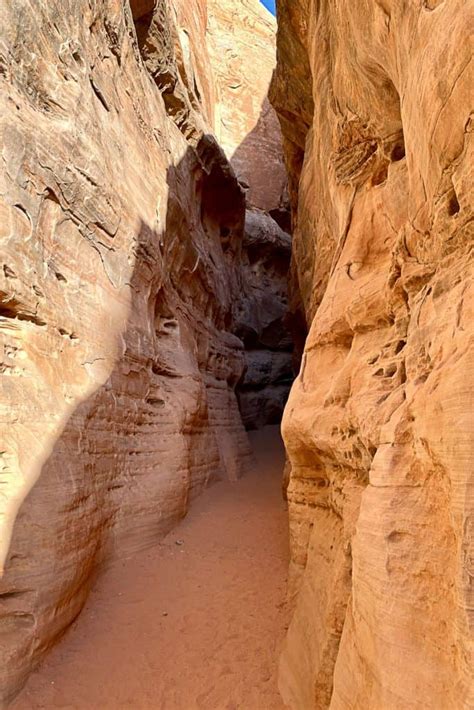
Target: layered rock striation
x: 122, y: 226
x: 378, y: 427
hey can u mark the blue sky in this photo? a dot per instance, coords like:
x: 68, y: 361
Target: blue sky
x: 270, y: 4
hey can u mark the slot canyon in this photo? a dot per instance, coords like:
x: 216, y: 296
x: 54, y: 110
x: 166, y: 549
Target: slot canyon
x: 236, y: 355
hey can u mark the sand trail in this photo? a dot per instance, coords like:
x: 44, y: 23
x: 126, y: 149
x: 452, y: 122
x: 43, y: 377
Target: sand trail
x: 196, y: 622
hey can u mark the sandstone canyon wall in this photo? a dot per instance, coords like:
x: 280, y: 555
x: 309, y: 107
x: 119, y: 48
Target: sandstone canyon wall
x: 242, y: 38
x: 375, y: 102
x: 241, y: 42
x: 121, y: 244
x: 261, y: 321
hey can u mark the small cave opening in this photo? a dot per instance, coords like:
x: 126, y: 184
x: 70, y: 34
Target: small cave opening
x: 453, y: 204
x: 142, y: 13
x: 398, y: 151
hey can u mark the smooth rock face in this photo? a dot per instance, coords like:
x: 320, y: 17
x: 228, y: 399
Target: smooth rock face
x: 379, y: 423
x: 121, y: 226
x: 241, y: 42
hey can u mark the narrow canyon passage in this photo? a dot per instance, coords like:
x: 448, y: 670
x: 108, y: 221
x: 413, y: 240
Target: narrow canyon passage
x: 217, y: 219
x: 194, y: 622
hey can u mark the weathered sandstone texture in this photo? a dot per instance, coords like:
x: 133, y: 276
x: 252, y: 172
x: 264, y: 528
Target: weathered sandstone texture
x: 379, y: 423
x: 241, y: 42
x: 121, y: 264
x: 242, y: 53
x: 261, y: 321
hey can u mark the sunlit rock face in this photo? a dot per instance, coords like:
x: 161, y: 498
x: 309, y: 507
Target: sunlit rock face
x: 117, y: 286
x: 241, y: 43
x: 379, y: 425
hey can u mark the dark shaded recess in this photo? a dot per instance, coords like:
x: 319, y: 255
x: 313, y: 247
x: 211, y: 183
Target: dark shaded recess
x: 295, y: 322
x: 141, y: 8
x: 398, y: 151
x: 282, y: 216
x: 142, y: 13
x: 270, y: 255
x: 222, y: 199
x: 453, y: 204
x: 10, y: 307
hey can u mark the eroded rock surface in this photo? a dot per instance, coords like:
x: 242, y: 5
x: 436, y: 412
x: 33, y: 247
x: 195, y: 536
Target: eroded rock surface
x: 121, y: 226
x: 260, y: 319
x: 379, y: 423
x: 241, y: 46
x: 241, y: 43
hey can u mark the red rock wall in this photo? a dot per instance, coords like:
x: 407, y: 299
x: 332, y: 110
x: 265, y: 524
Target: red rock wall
x: 378, y: 427
x: 116, y: 290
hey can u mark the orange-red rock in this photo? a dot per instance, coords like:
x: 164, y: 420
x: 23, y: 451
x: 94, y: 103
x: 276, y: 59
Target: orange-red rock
x: 121, y: 228
x: 379, y: 423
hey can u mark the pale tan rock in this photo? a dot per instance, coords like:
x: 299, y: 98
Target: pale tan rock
x: 241, y: 45
x: 116, y: 294
x: 379, y: 423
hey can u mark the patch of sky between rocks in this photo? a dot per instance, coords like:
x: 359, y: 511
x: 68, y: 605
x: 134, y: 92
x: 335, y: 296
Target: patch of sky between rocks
x: 270, y: 5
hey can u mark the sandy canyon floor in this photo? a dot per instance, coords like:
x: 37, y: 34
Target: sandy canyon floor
x: 195, y: 623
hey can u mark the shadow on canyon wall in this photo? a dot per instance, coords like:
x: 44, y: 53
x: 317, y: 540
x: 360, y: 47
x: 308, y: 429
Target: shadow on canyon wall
x: 259, y: 165
x: 280, y: 201
x: 163, y: 426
